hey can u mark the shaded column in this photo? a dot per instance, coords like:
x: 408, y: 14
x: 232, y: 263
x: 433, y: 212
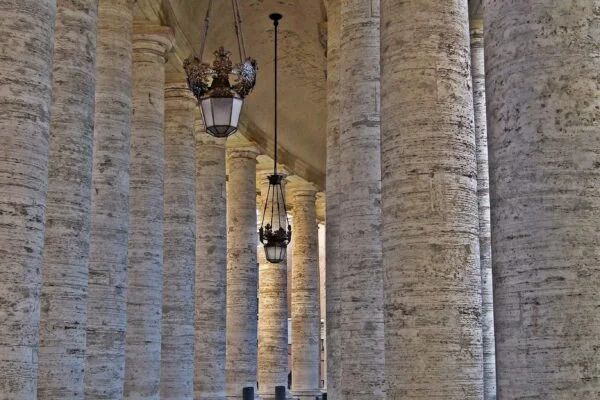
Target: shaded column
x: 272, y: 312
x: 361, y: 272
x: 107, y: 282
x: 483, y: 200
x: 211, y: 266
x: 242, y: 271
x: 334, y: 344
x: 430, y: 217
x: 26, y: 39
x: 146, y: 210
x: 66, y: 242
x: 321, y: 205
x: 177, y: 340
x: 543, y: 116
x: 305, y: 292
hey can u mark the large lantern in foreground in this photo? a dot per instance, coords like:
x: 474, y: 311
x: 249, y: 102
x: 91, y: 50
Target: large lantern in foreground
x: 221, y: 87
x: 275, y: 232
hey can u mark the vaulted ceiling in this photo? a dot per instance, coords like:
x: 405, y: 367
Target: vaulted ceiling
x: 302, y: 104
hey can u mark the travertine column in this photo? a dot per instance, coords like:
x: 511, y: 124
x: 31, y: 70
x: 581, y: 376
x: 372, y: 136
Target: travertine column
x: 66, y: 242
x: 429, y: 178
x: 334, y: 349
x: 26, y: 40
x: 211, y: 266
x: 542, y: 66
x: 305, y: 293
x: 107, y: 283
x: 361, y: 271
x: 177, y: 341
x: 483, y: 199
x: 272, y: 313
x: 242, y: 271
x: 321, y: 205
x: 145, y: 260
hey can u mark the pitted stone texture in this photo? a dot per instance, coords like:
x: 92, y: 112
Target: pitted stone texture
x: 146, y: 210
x: 483, y: 199
x: 66, y: 242
x: 430, y: 238
x: 542, y: 63
x: 361, y: 272
x: 242, y: 271
x: 306, y: 324
x: 211, y: 266
x: 107, y: 284
x: 177, y: 340
x: 26, y: 39
x: 334, y: 350
x: 272, y: 314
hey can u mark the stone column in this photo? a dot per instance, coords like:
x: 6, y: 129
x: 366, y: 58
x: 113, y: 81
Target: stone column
x: 145, y: 260
x: 177, y: 341
x: 26, y: 37
x: 211, y: 266
x: 242, y: 271
x: 334, y: 346
x: 107, y: 283
x: 361, y: 272
x: 544, y: 126
x: 305, y: 292
x: 272, y: 313
x: 430, y: 217
x: 483, y: 200
x: 321, y: 205
x: 66, y: 242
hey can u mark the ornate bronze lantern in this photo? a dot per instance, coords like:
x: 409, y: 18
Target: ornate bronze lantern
x: 221, y: 87
x: 275, y: 232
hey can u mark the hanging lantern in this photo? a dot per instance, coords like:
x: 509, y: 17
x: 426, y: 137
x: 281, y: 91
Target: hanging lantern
x: 275, y: 232
x: 221, y: 87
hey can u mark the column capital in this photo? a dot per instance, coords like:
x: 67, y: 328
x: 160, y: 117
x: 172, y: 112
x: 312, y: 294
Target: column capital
x: 152, y: 39
x: 321, y: 206
x: 299, y: 188
x: 244, y: 151
x: 177, y: 92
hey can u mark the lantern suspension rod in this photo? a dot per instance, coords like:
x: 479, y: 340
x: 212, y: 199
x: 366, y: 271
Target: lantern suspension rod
x: 275, y: 17
x: 238, y: 29
x: 206, y: 26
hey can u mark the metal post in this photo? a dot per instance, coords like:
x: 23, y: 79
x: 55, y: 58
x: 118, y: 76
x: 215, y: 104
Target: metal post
x: 248, y: 393
x: 280, y: 393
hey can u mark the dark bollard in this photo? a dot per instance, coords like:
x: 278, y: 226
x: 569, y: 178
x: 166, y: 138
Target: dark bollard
x: 324, y: 396
x: 280, y: 393
x: 248, y: 393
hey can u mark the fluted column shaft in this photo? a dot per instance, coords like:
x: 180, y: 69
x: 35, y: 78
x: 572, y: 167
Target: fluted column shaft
x: 66, y: 242
x: 26, y: 37
x: 483, y: 200
x: 429, y: 171
x: 146, y: 210
x: 177, y: 341
x: 242, y: 271
x: 107, y: 283
x: 306, y: 324
x: 332, y: 283
x: 361, y: 273
x: 272, y: 314
x: 542, y: 63
x: 211, y: 266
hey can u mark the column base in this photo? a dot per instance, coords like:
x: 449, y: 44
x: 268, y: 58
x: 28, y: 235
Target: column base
x: 306, y: 394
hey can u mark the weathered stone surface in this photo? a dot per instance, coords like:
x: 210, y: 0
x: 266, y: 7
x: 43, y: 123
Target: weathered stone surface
x: 107, y: 283
x: 272, y: 313
x: 333, y: 202
x: 483, y: 200
x: 306, y: 324
x: 361, y: 271
x: 544, y: 123
x: 66, y: 242
x: 178, y: 334
x: 26, y: 40
x: 211, y: 266
x: 242, y: 271
x: 430, y: 236
x: 146, y: 210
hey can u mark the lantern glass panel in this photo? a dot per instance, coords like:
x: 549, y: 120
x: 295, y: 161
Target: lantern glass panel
x: 221, y: 114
